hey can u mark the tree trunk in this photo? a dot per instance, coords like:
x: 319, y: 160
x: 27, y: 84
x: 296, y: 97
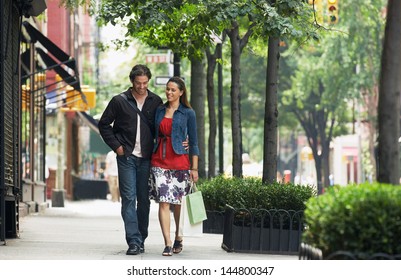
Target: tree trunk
x: 319, y: 179
x: 211, y: 66
x: 325, y: 167
x: 370, y: 100
x: 325, y: 135
x: 271, y: 113
x: 312, y: 135
x: 198, y: 88
x: 389, y: 97
x: 236, y: 101
x: 319, y: 137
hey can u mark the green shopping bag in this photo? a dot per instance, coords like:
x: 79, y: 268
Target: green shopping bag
x: 195, y: 206
x: 185, y: 227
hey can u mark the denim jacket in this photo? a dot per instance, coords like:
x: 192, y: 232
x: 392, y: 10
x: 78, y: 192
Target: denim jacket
x: 184, y: 124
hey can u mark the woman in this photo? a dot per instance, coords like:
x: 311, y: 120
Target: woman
x: 174, y: 165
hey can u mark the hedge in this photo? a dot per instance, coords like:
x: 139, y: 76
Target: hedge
x: 362, y: 219
x: 250, y: 193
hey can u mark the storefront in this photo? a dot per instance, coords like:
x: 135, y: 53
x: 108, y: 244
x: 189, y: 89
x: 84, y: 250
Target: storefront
x: 9, y: 120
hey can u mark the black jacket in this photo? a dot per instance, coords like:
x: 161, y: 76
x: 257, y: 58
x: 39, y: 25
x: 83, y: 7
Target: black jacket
x: 123, y: 131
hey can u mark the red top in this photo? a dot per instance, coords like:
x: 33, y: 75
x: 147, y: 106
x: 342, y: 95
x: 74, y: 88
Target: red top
x: 165, y: 157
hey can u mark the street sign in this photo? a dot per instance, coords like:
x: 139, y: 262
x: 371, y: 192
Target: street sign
x: 156, y: 58
x: 161, y: 80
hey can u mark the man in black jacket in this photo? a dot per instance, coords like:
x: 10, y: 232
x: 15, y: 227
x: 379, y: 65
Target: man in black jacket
x: 130, y: 135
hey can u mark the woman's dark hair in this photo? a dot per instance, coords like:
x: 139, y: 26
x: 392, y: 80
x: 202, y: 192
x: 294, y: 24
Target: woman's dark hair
x: 140, y: 70
x: 181, y: 85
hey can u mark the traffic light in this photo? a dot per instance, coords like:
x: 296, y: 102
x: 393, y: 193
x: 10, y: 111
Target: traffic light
x: 332, y: 9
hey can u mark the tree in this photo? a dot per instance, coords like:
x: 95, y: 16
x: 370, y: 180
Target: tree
x: 237, y: 45
x: 288, y: 20
x: 389, y: 97
x: 359, y: 17
x: 211, y: 67
x: 348, y: 71
x: 319, y: 104
x: 271, y: 113
x: 198, y: 92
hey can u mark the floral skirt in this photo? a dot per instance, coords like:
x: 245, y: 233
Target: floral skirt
x: 166, y: 185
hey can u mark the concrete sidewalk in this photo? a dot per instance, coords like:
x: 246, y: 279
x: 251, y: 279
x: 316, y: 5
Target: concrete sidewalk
x: 93, y: 230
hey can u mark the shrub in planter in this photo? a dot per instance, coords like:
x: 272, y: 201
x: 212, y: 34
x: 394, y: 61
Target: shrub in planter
x: 363, y: 219
x: 248, y: 193
x: 252, y: 193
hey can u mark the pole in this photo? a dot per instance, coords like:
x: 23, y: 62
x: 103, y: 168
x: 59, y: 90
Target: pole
x: 220, y: 108
x: 177, y: 64
x: 58, y: 192
x: 32, y: 131
x: 170, y: 56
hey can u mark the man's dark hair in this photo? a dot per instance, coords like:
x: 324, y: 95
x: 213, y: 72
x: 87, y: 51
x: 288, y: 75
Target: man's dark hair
x: 139, y: 70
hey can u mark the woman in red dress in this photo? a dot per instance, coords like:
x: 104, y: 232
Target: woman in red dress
x: 173, y: 165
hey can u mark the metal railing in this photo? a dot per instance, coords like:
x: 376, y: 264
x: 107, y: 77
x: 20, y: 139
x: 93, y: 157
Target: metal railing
x: 262, y: 231
x: 309, y: 252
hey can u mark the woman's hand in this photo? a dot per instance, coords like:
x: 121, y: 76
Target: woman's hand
x: 194, y: 175
x: 185, y: 144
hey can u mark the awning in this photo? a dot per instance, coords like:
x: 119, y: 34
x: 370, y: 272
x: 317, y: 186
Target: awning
x: 59, y: 61
x: 35, y: 35
x: 89, y: 121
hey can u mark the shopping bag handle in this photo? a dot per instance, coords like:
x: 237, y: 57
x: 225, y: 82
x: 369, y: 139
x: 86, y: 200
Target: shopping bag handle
x: 192, y: 187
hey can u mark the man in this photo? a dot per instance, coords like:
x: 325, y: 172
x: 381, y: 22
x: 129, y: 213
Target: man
x: 130, y: 136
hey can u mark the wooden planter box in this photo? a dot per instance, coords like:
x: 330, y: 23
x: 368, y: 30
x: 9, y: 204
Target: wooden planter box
x: 262, y: 231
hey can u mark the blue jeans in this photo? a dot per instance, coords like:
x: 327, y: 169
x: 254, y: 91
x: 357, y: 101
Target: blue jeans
x: 133, y: 176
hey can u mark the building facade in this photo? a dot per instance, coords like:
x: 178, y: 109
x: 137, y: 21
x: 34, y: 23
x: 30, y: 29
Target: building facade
x: 37, y: 66
x: 10, y: 116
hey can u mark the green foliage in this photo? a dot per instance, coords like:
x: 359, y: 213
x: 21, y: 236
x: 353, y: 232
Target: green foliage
x: 252, y: 193
x: 113, y: 11
x: 87, y: 5
x: 188, y: 27
x: 358, y: 218
x: 285, y: 19
x: 345, y: 61
x: 253, y: 84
